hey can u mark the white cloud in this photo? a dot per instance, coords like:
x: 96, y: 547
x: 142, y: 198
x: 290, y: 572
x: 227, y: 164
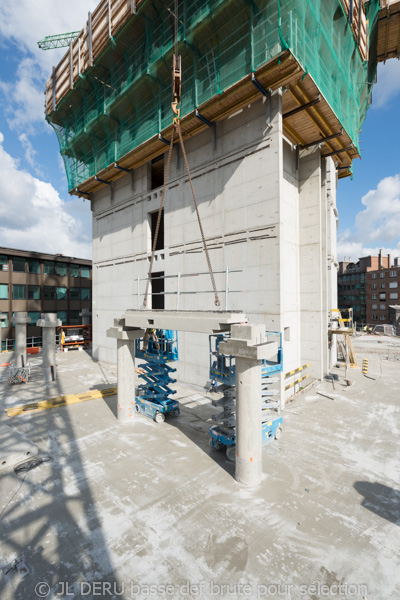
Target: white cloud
x: 34, y: 217
x: 388, y: 86
x: 377, y: 226
x: 22, y: 24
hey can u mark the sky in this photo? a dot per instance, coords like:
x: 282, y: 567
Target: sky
x: 36, y: 211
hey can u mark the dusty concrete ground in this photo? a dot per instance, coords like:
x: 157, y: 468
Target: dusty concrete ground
x: 148, y: 510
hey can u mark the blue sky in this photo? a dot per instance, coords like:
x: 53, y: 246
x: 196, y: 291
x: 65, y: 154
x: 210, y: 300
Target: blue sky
x: 36, y: 211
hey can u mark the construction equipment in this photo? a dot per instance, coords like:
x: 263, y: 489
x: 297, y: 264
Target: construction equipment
x: 154, y: 396
x: 61, y: 40
x: 343, y: 329
x: 19, y: 374
x: 222, y: 369
x: 75, y: 337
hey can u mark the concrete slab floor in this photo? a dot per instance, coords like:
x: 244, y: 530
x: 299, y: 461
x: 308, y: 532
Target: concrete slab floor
x: 148, y: 510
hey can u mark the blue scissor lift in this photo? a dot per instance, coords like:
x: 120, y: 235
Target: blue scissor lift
x: 153, y: 399
x: 222, y: 370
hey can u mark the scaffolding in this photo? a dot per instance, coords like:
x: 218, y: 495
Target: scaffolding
x: 109, y: 98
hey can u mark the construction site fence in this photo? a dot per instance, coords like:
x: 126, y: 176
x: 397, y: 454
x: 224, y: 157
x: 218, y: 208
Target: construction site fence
x: 123, y: 98
x: 8, y: 345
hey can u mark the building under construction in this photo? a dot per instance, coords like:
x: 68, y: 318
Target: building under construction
x: 273, y: 98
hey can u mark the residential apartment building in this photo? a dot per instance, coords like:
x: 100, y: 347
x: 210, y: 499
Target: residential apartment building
x: 352, y: 283
x: 383, y: 288
x: 39, y: 283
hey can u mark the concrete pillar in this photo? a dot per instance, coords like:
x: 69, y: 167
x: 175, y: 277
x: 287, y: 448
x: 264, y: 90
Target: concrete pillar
x: 248, y: 421
x: 49, y: 323
x: 2, y: 319
x: 249, y: 346
x: 20, y: 320
x: 85, y: 316
x: 126, y: 391
x: 126, y: 379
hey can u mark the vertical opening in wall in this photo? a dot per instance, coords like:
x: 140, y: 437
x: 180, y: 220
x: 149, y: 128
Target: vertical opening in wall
x: 153, y: 223
x: 157, y: 172
x: 157, y: 290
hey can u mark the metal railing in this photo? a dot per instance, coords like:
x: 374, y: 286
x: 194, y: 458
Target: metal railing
x: 8, y: 345
x: 180, y: 278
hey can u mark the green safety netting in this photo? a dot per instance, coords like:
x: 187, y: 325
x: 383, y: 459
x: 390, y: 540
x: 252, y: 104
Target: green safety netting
x: 125, y: 98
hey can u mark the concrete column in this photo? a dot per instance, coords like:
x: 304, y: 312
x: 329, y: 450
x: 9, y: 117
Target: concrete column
x: 126, y: 379
x: 49, y: 323
x: 20, y: 320
x: 85, y: 316
x: 126, y: 390
x: 2, y: 319
x: 248, y: 421
x: 249, y: 346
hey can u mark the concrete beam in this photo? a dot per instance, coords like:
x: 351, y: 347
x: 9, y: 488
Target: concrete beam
x: 249, y: 341
x: 181, y: 320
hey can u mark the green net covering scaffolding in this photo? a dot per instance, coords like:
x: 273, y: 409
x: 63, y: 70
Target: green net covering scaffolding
x: 124, y: 98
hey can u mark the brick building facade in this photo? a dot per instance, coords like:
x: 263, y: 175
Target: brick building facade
x: 383, y: 288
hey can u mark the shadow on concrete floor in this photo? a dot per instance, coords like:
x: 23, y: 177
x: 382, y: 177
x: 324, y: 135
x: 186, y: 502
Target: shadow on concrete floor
x: 380, y: 499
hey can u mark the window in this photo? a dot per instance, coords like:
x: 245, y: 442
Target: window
x: 374, y: 275
x: 61, y: 293
x: 73, y: 270
x: 33, y: 266
x: 382, y: 274
x: 374, y: 286
x: 374, y: 317
x: 382, y: 285
x: 48, y: 267
x: 382, y: 306
x: 5, y: 322
x: 85, y: 272
x: 85, y: 293
x: 74, y: 318
x: 394, y: 296
x: 18, y: 264
x: 382, y: 296
x: 374, y: 307
x: 62, y: 315
x: 74, y: 293
x: 383, y: 318
x: 393, y: 284
x: 153, y: 224
x: 393, y: 273
x: 35, y: 316
x: 49, y: 292
x: 3, y: 262
x: 157, y: 172
x: 374, y: 296
x: 18, y: 292
x: 3, y: 291
x: 61, y: 269
x: 33, y: 292
x: 362, y: 277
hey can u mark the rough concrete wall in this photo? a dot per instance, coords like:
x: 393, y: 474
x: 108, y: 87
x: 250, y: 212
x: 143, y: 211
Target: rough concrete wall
x: 260, y: 220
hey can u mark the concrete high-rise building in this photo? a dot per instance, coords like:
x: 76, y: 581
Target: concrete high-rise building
x: 273, y: 98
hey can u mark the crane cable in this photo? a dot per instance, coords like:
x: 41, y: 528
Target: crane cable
x: 176, y: 127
